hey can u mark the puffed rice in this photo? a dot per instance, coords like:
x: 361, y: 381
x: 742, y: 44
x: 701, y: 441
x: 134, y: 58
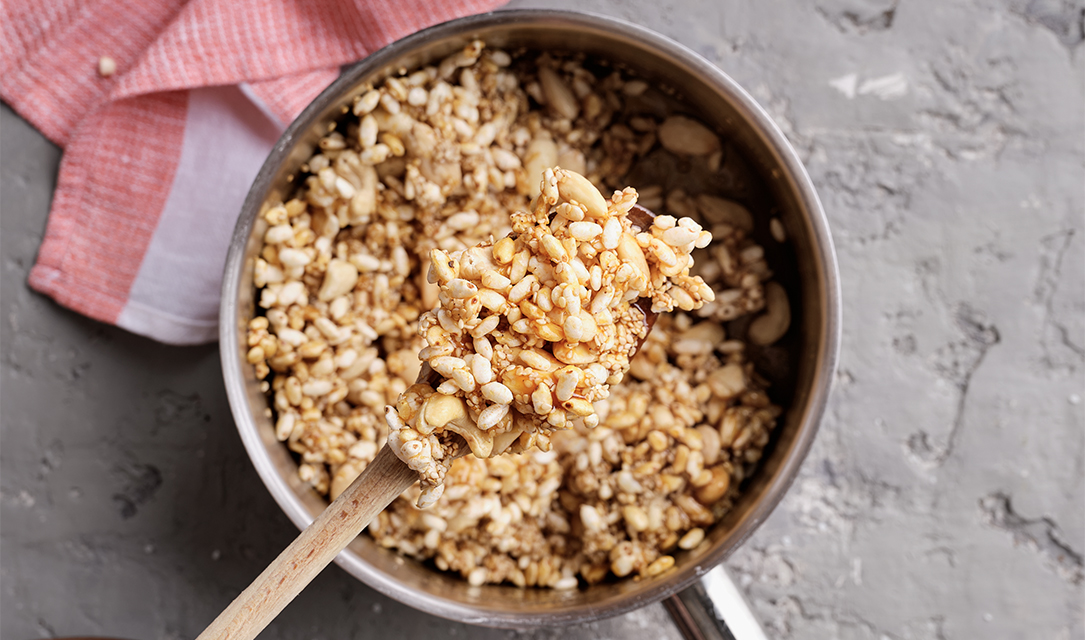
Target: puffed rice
x: 476, y: 141
x: 540, y: 360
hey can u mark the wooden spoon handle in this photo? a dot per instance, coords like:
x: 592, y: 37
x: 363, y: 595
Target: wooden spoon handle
x: 377, y: 486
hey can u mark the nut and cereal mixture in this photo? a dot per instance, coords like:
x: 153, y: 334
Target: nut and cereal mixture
x: 439, y: 158
x: 532, y: 329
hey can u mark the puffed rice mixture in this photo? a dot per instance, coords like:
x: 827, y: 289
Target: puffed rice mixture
x: 534, y: 328
x: 440, y: 158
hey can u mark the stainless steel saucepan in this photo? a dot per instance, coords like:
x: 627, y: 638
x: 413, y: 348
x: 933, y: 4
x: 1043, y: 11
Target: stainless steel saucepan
x: 801, y: 366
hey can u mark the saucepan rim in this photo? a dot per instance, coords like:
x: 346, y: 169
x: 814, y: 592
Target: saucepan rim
x: 827, y: 341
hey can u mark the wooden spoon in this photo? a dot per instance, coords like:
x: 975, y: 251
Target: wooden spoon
x: 383, y: 479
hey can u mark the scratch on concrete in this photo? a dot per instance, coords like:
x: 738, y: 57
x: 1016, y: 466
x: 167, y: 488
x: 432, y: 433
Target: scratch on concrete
x: 846, y: 84
x: 781, y: 614
x: 957, y: 362
x: 141, y: 483
x: 1064, y: 18
x: 831, y: 501
x: 767, y: 565
x: 46, y: 629
x: 946, y: 552
x: 176, y: 410
x: 974, y: 104
x: 1054, y: 247
x: 859, y: 16
x: 877, y: 178
x: 887, y: 87
x: 1041, y: 535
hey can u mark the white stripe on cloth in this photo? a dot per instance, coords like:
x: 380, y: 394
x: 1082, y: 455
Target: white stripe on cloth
x: 175, y: 296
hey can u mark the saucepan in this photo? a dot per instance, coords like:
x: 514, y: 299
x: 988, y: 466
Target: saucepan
x: 801, y: 366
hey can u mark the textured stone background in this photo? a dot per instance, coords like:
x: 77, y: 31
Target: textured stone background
x: 944, y: 495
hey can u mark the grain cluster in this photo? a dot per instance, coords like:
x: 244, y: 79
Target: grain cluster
x: 439, y: 159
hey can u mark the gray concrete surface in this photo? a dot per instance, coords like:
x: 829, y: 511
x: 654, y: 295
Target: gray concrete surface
x: 943, y: 499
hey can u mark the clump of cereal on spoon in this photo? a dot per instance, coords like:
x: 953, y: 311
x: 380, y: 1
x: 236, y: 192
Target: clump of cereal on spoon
x: 535, y: 327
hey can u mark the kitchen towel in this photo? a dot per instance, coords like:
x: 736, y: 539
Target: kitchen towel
x: 159, y: 154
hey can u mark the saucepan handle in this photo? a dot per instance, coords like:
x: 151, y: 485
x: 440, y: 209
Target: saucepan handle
x: 713, y: 609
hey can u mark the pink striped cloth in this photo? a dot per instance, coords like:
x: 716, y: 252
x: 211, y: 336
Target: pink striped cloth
x: 159, y: 156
